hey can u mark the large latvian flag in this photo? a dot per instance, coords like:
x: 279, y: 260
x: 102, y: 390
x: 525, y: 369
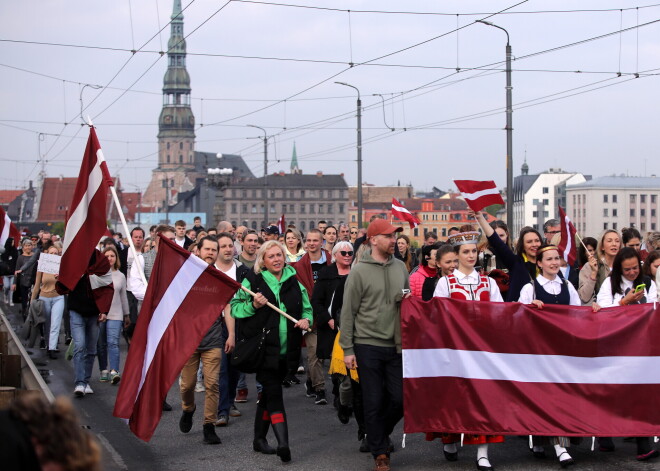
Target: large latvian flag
x: 87, y: 222
x: 184, y: 298
x: 8, y: 229
x: 508, y: 369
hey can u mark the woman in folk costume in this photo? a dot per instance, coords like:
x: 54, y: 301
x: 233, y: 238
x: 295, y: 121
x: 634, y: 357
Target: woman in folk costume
x: 550, y: 287
x: 466, y: 283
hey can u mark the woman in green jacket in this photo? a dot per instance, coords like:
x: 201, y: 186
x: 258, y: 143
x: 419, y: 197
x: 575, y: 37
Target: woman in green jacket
x: 273, y: 281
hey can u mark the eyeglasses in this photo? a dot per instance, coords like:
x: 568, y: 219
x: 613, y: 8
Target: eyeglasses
x: 346, y: 253
x: 353, y: 232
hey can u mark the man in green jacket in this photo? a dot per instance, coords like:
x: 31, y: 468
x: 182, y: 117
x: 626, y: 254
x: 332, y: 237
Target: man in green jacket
x: 371, y: 335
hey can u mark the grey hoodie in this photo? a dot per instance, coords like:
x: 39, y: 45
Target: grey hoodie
x: 370, y: 313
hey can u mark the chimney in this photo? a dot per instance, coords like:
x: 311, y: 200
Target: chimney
x: 319, y: 173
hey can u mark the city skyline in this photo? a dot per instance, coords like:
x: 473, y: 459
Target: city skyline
x: 603, y: 126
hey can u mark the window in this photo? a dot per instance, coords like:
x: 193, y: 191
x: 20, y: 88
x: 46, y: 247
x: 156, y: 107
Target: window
x: 416, y: 232
x: 254, y: 225
x: 330, y: 194
x: 546, y: 214
x: 254, y: 193
x: 321, y: 208
x: 244, y: 194
x: 168, y: 146
x: 605, y: 226
x: 321, y: 194
x: 261, y: 208
x: 302, y: 193
x: 653, y: 198
x: 444, y: 232
x: 354, y: 219
x: 579, y: 198
x: 284, y: 209
x: 330, y: 208
x: 614, y: 198
x: 642, y: 227
x: 605, y: 212
x: 642, y: 198
x: 272, y: 208
x: 311, y: 208
x: 341, y: 208
x: 633, y: 198
x: 574, y: 216
x: 546, y: 190
x: 546, y: 202
x: 234, y: 208
x: 632, y: 212
x: 292, y: 208
x: 573, y: 199
x: 444, y: 217
x: 653, y: 213
x: 244, y: 208
x: 604, y: 198
x: 302, y: 226
x: 272, y: 193
x: 642, y: 212
x: 615, y: 212
x: 653, y: 226
x: 180, y: 145
x: 180, y: 158
x: 311, y: 224
x: 168, y: 158
x: 425, y: 217
x: 254, y: 209
x: 535, y: 214
x: 535, y: 202
x: 302, y: 209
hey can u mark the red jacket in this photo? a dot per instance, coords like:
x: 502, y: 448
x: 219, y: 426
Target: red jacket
x: 417, y: 279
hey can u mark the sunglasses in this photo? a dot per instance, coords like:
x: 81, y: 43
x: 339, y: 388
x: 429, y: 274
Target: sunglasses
x: 353, y: 232
x: 346, y: 253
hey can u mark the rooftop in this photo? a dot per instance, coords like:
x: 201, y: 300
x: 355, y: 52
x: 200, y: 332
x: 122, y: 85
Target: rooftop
x: 288, y: 180
x: 621, y: 182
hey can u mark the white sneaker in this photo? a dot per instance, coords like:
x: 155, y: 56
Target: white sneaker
x: 88, y: 390
x: 199, y: 387
x: 79, y: 391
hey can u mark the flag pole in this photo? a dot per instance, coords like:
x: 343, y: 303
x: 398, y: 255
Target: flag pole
x: 113, y: 190
x: 580, y: 239
x: 274, y: 308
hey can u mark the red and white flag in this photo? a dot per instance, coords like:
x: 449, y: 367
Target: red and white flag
x: 479, y: 195
x: 8, y: 229
x: 399, y: 212
x: 567, y: 243
x: 184, y: 298
x: 87, y: 220
x: 509, y: 369
x: 281, y: 224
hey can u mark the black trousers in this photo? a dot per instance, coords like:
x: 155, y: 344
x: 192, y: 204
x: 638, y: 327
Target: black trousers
x: 381, y: 380
x: 271, y: 382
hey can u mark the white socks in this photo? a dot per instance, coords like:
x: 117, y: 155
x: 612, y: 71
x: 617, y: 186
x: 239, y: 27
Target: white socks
x: 482, y: 452
x: 562, y: 454
x: 450, y: 447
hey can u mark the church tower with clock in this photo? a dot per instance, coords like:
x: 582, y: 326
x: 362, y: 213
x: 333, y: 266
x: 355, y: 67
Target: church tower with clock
x: 176, y: 124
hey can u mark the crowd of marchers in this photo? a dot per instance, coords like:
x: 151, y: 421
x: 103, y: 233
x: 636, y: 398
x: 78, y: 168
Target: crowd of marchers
x: 344, y: 287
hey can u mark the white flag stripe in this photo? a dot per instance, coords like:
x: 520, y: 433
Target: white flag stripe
x: 526, y: 368
x: 401, y: 209
x: 176, y: 292
x: 5, y: 230
x: 79, y: 215
x: 569, y: 239
x: 97, y: 281
x: 479, y: 194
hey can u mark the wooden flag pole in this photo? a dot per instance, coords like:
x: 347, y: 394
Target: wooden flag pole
x: 274, y: 308
x: 113, y: 190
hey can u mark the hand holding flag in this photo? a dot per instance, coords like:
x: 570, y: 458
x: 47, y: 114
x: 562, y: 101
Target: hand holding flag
x: 479, y: 194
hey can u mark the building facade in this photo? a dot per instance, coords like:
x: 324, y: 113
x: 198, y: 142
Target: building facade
x: 304, y: 200
x: 614, y: 203
x: 536, y: 198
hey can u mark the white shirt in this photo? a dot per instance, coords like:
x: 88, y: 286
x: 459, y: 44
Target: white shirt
x: 605, y: 298
x: 181, y: 242
x: 442, y: 288
x: 528, y: 294
x: 134, y: 283
x: 231, y: 273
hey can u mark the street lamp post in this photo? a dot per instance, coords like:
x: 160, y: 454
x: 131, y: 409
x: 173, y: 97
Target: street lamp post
x: 509, y: 130
x: 265, y: 173
x: 359, y: 152
x: 219, y: 179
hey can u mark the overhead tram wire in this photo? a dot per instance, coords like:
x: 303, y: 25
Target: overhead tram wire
x: 340, y: 10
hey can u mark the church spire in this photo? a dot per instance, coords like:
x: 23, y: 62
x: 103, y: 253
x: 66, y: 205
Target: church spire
x: 176, y: 125
x: 294, y: 161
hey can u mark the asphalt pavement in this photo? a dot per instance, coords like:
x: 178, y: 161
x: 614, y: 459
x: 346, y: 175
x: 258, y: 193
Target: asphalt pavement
x: 319, y: 442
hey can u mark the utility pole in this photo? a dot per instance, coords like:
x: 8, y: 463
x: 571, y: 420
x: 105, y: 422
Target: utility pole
x: 359, y: 152
x: 265, y: 195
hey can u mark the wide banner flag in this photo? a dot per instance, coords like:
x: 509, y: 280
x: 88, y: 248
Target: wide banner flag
x: 479, y: 194
x: 510, y: 369
x: 184, y: 298
x: 8, y: 229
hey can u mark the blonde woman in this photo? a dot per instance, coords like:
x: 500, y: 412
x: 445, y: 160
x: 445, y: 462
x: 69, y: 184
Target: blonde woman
x: 294, y: 245
x: 44, y: 289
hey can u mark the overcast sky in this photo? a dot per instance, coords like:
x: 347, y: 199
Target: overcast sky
x: 447, y: 124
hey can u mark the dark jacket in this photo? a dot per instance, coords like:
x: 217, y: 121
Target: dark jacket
x: 327, y: 301
x: 520, y: 271
x: 9, y: 258
x: 291, y: 296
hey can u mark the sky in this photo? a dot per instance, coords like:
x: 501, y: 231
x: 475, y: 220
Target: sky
x: 577, y: 103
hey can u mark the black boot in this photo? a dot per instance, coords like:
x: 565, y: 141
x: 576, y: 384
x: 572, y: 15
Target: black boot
x: 261, y: 426
x: 644, y: 449
x: 185, y: 422
x: 281, y: 430
x: 210, y: 437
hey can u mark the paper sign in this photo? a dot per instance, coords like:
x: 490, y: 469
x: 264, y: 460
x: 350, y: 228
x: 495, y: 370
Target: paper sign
x: 49, y: 263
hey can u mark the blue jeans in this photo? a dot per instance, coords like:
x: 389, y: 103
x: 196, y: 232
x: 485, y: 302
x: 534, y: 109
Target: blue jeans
x: 54, y: 309
x: 228, y: 378
x: 108, y: 344
x: 85, y: 332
